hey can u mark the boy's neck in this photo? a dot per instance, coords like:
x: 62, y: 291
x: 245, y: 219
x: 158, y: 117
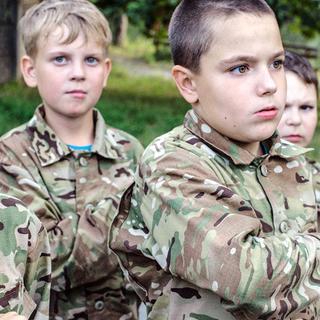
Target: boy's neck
x: 73, y: 131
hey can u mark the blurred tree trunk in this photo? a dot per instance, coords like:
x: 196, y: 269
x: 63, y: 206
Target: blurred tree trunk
x: 121, y: 30
x: 8, y: 20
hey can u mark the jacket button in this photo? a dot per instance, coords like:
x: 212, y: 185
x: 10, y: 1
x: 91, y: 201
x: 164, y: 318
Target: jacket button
x: 284, y: 227
x: 89, y: 207
x: 83, y: 162
x: 264, y: 170
x: 99, y: 305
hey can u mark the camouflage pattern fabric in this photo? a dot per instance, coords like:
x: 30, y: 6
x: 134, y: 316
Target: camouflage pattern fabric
x: 212, y: 232
x: 25, y: 264
x: 75, y: 194
x: 315, y: 167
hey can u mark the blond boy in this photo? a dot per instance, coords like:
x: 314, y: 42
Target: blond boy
x: 222, y: 223
x: 66, y: 164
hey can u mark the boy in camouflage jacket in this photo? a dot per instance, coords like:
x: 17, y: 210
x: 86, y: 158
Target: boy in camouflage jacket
x: 66, y: 164
x: 222, y: 222
x: 25, y: 266
x: 299, y: 119
x: 300, y: 116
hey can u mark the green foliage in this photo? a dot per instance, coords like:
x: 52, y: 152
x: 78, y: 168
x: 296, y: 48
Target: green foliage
x: 301, y: 16
x: 141, y: 48
x: 150, y: 16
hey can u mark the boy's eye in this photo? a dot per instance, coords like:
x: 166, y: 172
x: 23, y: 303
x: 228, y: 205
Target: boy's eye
x: 277, y: 64
x: 240, y: 69
x: 306, y: 107
x: 92, y: 60
x: 60, y: 60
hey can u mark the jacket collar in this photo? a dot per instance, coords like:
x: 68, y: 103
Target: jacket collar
x: 238, y: 155
x: 50, y: 149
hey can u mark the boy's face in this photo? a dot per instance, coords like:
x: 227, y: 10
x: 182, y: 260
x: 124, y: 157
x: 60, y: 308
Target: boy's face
x: 299, y: 119
x: 241, y: 84
x: 70, y: 77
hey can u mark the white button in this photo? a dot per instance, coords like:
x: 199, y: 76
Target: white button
x: 89, y: 207
x: 82, y: 180
x: 264, y: 170
x: 83, y: 162
x: 284, y: 227
x: 99, y: 305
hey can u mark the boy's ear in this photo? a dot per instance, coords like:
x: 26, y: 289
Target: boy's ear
x: 184, y: 79
x: 108, y: 67
x: 28, y: 71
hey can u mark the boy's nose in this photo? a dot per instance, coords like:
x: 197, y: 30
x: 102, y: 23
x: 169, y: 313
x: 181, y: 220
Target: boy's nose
x: 78, y: 71
x: 266, y: 84
x: 294, y: 118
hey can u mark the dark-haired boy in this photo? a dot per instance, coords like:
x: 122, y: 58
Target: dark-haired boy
x: 222, y: 223
x: 299, y: 119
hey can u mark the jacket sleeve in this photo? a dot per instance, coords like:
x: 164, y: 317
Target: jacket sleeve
x: 25, y: 261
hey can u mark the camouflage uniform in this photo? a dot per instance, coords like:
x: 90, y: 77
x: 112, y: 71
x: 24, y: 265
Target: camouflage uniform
x: 75, y: 194
x: 315, y: 167
x: 215, y: 233
x: 25, y: 264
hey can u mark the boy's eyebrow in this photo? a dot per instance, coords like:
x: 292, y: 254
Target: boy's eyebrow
x: 66, y: 52
x: 247, y: 58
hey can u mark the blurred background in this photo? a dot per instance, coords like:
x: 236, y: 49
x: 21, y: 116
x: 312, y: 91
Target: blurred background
x: 141, y: 97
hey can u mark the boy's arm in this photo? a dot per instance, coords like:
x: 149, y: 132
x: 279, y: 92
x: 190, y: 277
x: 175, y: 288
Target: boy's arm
x: 25, y: 261
x: 201, y: 231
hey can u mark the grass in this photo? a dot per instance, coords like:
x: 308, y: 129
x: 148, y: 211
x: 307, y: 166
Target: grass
x: 143, y: 106
x: 316, y: 144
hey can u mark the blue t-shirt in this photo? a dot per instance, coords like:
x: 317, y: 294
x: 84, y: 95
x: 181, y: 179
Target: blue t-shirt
x: 87, y: 147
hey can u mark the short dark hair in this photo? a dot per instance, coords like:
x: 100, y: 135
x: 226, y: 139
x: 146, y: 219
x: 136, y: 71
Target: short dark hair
x: 189, y: 33
x: 301, y: 66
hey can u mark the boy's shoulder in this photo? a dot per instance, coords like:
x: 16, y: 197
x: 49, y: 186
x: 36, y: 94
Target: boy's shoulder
x: 120, y: 138
x: 33, y: 135
x: 166, y: 143
x: 16, y: 135
x: 113, y: 140
x: 288, y: 149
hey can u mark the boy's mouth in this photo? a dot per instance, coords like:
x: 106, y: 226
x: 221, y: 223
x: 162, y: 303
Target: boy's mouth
x: 77, y: 93
x: 293, y: 138
x: 268, y: 113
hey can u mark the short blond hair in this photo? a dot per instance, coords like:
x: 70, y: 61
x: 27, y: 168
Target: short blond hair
x: 77, y: 16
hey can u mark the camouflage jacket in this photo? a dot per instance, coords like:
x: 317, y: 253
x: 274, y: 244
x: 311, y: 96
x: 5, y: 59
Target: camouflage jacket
x: 25, y: 265
x: 75, y: 195
x: 215, y: 233
x: 315, y: 167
